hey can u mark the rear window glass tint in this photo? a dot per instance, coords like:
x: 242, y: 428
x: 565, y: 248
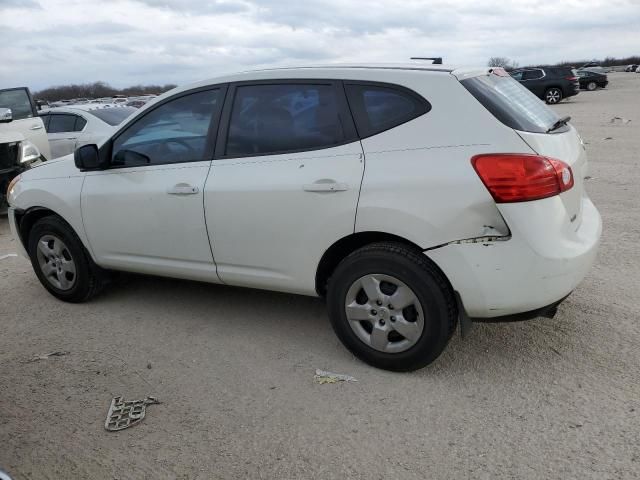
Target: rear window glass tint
x: 113, y: 116
x: 512, y: 104
x: 378, y: 108
x: 283, y: 118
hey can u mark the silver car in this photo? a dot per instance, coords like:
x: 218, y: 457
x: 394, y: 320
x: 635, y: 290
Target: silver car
x: 72, y: 126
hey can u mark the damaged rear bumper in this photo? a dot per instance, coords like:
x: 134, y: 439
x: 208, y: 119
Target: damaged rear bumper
x: 529, y: 272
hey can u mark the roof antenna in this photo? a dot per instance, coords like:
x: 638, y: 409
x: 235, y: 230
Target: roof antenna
x: 435, y: 60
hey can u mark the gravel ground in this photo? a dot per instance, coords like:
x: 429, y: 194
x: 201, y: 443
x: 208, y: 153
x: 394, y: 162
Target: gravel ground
x: 234, y: 369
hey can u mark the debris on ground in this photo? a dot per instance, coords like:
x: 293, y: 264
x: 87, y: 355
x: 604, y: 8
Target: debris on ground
x: 608, y: 138
x: 48, y: 355
x: 323, y: 377
x: 149, y: 365
x: 8, y: 255
x: 620, y: 120
x: 124, y: 414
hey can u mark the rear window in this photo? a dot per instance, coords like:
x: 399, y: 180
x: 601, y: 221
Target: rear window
x: 113, y: 116
x: 512, y: 104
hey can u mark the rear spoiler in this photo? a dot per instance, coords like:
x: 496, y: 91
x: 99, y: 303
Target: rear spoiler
x: 464, y: 73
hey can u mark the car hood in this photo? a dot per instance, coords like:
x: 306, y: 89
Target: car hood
x: 9, y: 136
x: 60, y: 167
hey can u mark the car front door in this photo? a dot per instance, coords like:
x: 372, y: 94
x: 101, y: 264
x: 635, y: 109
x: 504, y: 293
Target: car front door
x: 533, y: 80
x: 284, y: 184
x: 145, y: 212
x: 25, y: 118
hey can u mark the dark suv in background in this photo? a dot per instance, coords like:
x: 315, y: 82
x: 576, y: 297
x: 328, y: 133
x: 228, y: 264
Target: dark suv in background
x: 550, y: 84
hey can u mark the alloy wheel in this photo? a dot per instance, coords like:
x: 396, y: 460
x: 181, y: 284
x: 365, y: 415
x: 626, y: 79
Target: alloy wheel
x: 384, y: 313
x: 553, y: 96
x: 56, y: 263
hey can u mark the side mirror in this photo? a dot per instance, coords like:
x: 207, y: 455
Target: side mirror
x: 6, y: 115
x: 87, y: 157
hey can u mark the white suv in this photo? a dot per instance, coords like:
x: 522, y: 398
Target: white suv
x: 413, y: 197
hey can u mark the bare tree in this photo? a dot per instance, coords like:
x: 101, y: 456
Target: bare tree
x: 504, y: 62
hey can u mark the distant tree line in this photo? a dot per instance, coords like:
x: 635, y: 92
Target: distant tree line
x: 607, y: 62
x: 97, y: 90
x: 509, y: 64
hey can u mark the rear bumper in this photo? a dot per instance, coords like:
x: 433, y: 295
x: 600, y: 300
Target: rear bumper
x: 543, y: 261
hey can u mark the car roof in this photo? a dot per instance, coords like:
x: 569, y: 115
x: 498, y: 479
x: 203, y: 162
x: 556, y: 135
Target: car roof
x: 337, y: 70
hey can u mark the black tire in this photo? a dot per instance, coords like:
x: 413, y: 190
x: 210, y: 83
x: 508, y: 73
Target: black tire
x: 430, y: 287
x: 553, y: 95
x: 591, y: 86
x: 88, y: 277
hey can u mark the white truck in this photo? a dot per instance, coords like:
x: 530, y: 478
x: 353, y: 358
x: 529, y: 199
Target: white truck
x: 23, y: 138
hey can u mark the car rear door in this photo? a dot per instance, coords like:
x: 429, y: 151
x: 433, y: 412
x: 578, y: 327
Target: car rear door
x: 25, y: 118
x: 63, y: 130
x: 284, y: 184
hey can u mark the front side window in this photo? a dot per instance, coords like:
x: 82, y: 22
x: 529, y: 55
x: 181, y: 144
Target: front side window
x: 379, y: 108
x: 517, y: 75
x: 64, y: 122
x: 172, y: 133
x: 283, y: 118
x: 18, y: 101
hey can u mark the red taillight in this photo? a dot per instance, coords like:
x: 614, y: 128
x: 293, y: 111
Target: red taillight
x: 572, y: 79
x: 517, y: 177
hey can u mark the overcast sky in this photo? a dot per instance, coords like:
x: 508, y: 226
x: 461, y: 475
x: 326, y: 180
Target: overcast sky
x: 125, y: 42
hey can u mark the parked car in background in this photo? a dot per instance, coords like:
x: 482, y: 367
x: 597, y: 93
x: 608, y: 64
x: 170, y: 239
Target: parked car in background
x: 638, y: 69
x: 136, y: 103
x: 550, y: 84
x: 592, y: 80
x: 485, y: 216
x: 631, y: 68
x: 23, y: 139
x: 72, y: 126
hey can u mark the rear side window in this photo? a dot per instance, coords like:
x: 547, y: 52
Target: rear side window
x: 283, y: 118
x: 512, y: 104
x: 378, y: 108
x: 62, y: 122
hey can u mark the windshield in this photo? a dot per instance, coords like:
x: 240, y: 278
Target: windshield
x: 113, y: 116
x: 512, y: 104
x: 18, y: 101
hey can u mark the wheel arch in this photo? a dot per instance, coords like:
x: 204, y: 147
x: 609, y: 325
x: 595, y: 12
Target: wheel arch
x: 26, y: 219
x: 349, y: 244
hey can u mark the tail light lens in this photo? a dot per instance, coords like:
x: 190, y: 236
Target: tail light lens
x: 515, y: 177
x: 572, y: 79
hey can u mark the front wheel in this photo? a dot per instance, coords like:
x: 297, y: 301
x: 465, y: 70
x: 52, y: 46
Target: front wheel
x: 61, y: 263
x: 391, y: 307
x: 553, y: 96
x: 591, y: 86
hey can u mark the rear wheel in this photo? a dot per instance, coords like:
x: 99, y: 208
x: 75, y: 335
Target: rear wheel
x: 391, y: 307
x: 553, y: 95
x: 61, y: 263
x: 591, y: 86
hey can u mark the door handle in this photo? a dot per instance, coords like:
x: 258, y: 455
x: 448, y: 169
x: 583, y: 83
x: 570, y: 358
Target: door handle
x: 325, y: 187
x: 183, y: 189
x: 36, y: 127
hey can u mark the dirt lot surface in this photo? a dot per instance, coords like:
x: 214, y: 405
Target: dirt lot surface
x: 234, y: 369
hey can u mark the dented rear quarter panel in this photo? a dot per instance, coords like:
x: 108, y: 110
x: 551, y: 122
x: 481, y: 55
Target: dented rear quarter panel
x: 419, y: 182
